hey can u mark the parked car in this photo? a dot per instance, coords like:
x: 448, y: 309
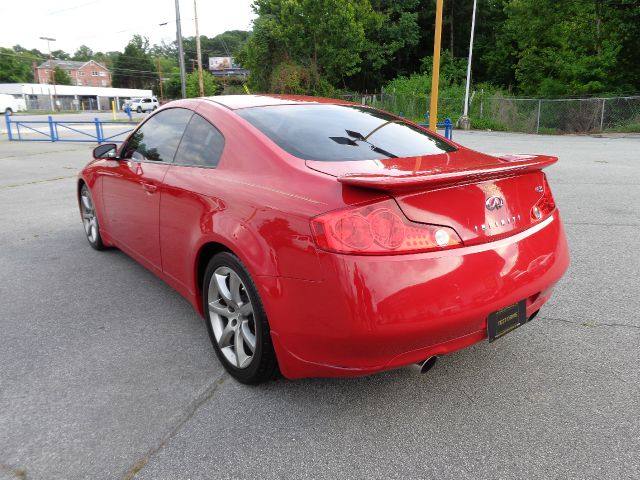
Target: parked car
x: 325, y: 238
x: 10, y: 105
x: 146, y: 104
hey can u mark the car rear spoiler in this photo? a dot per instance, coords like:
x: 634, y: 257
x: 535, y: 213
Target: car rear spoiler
x: 510, y: 165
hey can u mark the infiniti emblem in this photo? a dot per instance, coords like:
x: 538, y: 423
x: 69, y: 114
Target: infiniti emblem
x: 494, y: 203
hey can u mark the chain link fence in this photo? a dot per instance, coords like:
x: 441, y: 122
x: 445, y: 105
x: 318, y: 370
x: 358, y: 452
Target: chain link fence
x: 530, y: 115
x: 571, y: 115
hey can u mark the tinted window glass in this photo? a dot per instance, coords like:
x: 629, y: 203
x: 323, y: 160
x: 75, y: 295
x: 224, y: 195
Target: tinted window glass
x: 158, y: 139
x: 201, y: 145
x: 342, y: 132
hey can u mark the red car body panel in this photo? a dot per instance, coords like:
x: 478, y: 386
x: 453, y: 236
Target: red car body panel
x: 334, y: 314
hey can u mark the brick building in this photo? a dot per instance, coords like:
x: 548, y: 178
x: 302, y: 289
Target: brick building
x: 89, y: 73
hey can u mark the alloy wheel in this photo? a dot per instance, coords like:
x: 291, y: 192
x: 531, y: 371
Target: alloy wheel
x: 89, y: 219
x: 232, y: 317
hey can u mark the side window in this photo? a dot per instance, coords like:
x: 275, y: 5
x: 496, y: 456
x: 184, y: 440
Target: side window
x: 201, y: 145
x: 158, y: 139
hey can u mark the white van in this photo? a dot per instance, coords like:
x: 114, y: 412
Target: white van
x: 9, y: 104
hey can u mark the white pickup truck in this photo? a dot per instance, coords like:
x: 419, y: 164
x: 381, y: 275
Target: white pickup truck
x: 9, y: 104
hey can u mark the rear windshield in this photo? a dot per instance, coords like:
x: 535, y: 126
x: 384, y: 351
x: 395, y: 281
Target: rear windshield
x: 341, y: 132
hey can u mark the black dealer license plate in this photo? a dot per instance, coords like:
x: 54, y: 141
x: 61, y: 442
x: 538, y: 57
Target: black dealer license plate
x: 505, y: 320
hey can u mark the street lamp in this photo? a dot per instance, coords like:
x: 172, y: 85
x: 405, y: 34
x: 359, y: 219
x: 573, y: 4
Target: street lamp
x: 198, y: 50
x: 464, y: 121
x: 51, y: 69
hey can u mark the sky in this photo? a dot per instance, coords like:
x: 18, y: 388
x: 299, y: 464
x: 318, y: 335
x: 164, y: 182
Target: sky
x: 106, y: 25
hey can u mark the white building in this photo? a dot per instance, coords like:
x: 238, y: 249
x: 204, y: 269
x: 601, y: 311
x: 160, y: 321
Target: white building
x: 70, y: 97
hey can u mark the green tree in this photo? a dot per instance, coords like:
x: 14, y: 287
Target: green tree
x: 621, y: 22
x: 83, y: 54
x: 16, y: 67
x: 392, y: 35
x: 172, y: 87
x: 546, y: 47
x: 135, y: 68
x: 60, y: 55
x: 453, y: 71
x: 61, y: 77
x: 326, y: 37
x: 210, y: 84
x: 107, y: 59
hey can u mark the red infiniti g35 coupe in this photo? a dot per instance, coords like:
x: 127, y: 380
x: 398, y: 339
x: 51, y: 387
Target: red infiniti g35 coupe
x: 325, y: 238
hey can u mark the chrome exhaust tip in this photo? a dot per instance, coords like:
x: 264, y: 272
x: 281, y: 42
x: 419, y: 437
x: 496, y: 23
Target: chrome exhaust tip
x: 428, y: 364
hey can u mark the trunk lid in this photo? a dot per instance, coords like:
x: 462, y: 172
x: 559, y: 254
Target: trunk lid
x: 482, y: 197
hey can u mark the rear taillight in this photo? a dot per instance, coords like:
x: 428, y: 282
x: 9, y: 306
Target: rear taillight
x: 379, y: 229
x: 545, y: 205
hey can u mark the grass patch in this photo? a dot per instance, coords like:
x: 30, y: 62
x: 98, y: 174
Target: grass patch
x: 631, y: 128
x: 486, y: 124
x: 549, y: 131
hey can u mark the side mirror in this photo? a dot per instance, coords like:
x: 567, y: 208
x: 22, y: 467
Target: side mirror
x: 106, y: 151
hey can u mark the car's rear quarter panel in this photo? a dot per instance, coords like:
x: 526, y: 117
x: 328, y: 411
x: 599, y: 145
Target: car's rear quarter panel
x: 255, y: 204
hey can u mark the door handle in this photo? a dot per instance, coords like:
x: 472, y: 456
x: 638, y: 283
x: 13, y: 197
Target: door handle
x: 149, y: 187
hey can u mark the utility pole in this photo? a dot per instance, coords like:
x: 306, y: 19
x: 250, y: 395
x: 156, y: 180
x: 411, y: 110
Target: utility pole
x: 53, y: 73
x: 435, y: 72
x: 160, y: 77
x: 198, y: 51
x: 464, y: 121
x: 183, y: 83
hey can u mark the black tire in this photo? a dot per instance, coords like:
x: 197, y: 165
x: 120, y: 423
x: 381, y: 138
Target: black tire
x: 90, y: 219
x: 154, y: 108
x: 263, y: 365
x: 8, y: 111
x: 139, y: 109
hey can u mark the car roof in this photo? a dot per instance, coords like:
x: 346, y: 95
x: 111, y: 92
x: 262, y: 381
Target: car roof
x: 235, y: 102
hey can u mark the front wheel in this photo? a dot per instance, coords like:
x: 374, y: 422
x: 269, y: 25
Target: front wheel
x: 236, y: 321
x: 139, y: 109
x: 8, y: 111
x: 90, y: 219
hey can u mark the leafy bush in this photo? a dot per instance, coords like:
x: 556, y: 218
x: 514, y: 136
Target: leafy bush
x: 210, y: 84
x: 453, y: 70
x: 291, y: 78
x: 486, y: 123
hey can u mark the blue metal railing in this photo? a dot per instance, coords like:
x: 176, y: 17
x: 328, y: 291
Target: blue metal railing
x: 49, y: 130
x: 447, y: 125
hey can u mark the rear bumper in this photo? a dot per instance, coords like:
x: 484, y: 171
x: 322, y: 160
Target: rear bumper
x: 376, y: 313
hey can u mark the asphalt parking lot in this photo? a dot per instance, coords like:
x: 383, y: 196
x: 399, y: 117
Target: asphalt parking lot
x: 106, y: 372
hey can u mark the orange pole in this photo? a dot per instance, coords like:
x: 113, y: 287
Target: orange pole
x: 435, y: 72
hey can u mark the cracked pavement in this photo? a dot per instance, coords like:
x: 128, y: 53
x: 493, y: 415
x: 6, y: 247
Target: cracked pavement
x: 107, y: 373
